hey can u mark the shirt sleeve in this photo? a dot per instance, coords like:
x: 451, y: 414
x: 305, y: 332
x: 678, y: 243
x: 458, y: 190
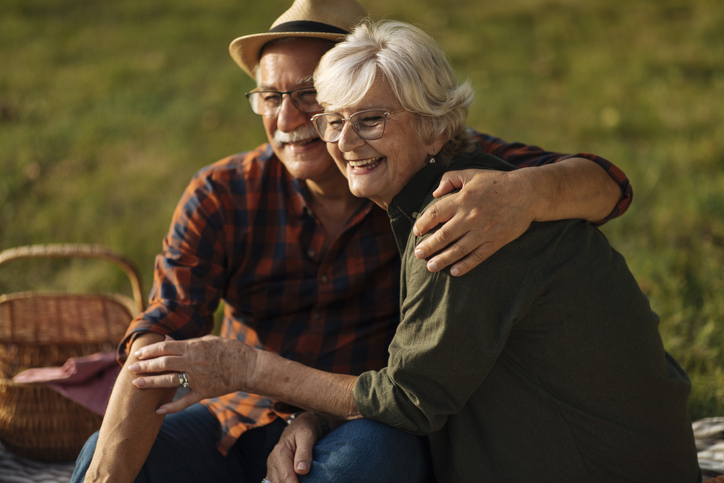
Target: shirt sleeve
x: 452, y: 331
x: 189, y: 274
x: 522, y: 155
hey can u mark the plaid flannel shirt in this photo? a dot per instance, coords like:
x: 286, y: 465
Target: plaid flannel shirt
x: 243, y: 232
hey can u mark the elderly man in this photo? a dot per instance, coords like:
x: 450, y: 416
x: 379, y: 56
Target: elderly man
x: 308, y: 271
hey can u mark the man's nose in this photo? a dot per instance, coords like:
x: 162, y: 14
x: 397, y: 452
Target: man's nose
x: 289, y: 117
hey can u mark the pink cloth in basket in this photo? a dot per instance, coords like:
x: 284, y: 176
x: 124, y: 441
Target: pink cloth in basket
x: 85, y: 380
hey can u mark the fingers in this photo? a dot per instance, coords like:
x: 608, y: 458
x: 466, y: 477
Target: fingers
x: 161, y: 381
x: 292, y: 455
x: 305, y: 441
x: 435, y: 215
x: 159, y: 364
x: 463, y: 229
x: 448, y: 183
x: 180, y: 404
x: 464, y: 244
x: 460, y: 257
x: 453, y: 180
x: 282, y: 475
x: 447, y: 234
x: 280, y: 464
x: 160, y: 349
x: 465, y: 264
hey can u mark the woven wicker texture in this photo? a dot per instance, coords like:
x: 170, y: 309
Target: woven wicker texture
x: 45, y: 330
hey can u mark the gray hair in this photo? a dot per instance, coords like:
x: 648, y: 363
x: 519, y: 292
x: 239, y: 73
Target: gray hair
x: 417, y: 70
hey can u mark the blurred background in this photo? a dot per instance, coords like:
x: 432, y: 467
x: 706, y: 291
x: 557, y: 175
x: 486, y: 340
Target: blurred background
x: 108, y: 108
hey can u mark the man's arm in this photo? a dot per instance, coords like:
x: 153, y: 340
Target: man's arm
x: 130, y: 425
x: 493, y: 208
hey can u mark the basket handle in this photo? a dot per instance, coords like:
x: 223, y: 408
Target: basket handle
x: 77, y: 250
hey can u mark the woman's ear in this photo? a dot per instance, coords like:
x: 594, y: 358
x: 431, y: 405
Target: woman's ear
x: 437, y: 145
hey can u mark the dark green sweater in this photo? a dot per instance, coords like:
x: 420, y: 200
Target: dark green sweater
x: 542, y: 364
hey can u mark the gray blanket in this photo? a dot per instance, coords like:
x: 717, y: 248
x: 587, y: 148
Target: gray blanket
x: 709, y: 435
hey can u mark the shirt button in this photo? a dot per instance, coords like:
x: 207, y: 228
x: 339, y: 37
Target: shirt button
x: 414, y: 214
x: 325, y: 279
x: 311, y: 253
x: 317, y: 315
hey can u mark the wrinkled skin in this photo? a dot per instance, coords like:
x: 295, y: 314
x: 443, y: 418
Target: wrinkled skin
x: 292, y: 455
x: 200, y: 359
x: 491, y: 212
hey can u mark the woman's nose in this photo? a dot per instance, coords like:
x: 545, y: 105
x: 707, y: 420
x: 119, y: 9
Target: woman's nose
x: 349, y: 139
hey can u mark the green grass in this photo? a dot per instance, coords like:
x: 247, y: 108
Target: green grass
x: 108, y: 108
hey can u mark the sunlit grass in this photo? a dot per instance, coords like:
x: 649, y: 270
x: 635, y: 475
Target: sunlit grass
x: 108, y: 108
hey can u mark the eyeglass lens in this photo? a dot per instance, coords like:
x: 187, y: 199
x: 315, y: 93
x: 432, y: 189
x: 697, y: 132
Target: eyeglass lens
x: 367, y: 124
x: 268, y: 103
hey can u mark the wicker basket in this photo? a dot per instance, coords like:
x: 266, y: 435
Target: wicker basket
x: 46, y: 329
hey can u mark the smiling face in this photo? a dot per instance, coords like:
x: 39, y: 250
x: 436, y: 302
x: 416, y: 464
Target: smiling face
x: 284, y: 67
x: 378, y: 169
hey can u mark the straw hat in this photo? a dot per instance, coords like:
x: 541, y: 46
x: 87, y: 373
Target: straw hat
x: 321, y: 19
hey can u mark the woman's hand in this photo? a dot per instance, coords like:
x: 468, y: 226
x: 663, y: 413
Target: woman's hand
x: 292, y: 455
x: 492, y: 209
x: 213, y: 365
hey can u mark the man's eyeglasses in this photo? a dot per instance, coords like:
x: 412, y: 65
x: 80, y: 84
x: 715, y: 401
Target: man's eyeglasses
x: 268, y: 103
x: 369, y: 124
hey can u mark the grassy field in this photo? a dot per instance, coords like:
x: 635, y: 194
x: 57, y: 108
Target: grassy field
x: 108, y: 108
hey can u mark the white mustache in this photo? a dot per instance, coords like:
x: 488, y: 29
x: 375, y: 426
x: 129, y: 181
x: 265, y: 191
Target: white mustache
x: 302, y: 133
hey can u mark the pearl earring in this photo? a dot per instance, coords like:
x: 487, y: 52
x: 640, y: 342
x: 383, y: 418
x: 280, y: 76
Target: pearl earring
x: 432, y: 160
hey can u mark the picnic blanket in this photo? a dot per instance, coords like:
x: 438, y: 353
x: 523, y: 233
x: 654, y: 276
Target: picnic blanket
x: 14, y: 469
x: 709, y: 435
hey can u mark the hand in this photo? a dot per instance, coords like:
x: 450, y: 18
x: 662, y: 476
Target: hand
x: 292, y: 455
x: 492, y: 209
x: 214, y: 366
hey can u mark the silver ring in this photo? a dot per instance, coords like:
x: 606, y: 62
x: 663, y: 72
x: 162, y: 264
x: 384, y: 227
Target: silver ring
x: 183, y: 381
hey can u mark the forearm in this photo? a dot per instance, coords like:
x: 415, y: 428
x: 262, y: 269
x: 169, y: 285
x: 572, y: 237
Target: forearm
x: 570, y: 189
x: 322, y: 392
x: 130, y: 425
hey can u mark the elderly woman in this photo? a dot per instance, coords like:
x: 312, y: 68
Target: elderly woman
x: 542, y: 364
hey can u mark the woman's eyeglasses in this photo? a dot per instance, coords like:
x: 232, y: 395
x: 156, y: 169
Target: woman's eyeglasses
x: 369, y: 124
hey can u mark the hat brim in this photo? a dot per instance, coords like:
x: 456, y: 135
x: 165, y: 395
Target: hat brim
x: 246, y: 50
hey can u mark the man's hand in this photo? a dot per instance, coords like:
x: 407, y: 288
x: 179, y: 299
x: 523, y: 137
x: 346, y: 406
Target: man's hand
x: 292, y: 455
x: 496, y: 207
x: 492, y: 209
x: 213, y: 365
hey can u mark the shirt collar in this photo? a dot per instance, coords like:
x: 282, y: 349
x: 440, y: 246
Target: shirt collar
x: 299, y: 197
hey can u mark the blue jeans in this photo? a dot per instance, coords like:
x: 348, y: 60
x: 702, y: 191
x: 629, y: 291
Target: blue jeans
x: 361, y: 450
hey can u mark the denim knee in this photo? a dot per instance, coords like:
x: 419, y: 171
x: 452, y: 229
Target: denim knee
x: 84, y: 459
x: 364, y: 450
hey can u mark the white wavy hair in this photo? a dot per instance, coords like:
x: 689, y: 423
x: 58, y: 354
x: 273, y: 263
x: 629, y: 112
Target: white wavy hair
x: 417, y: 70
